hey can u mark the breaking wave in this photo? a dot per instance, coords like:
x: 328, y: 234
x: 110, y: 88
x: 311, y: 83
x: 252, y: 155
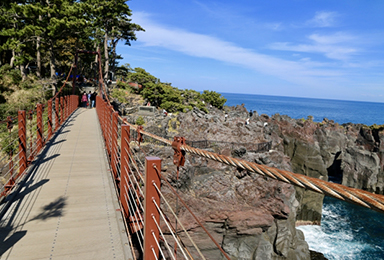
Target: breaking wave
x: 347, y: 232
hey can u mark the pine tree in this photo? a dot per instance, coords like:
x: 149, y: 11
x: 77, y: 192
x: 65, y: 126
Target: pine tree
x: 111, y: 22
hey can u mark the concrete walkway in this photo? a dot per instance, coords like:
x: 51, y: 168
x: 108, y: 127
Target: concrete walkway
x: 67, y: 208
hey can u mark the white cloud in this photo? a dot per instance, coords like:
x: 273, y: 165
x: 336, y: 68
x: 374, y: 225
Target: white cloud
x: 274, y: 26
x: 335, y: 46
x: 205, y: 46
x: 338, y: 37
x: 323, y: 19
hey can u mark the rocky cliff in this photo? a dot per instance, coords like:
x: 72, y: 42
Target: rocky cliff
x: 253, y: 217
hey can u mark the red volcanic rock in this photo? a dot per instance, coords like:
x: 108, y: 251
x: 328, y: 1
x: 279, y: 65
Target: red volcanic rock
x: 251, y: 215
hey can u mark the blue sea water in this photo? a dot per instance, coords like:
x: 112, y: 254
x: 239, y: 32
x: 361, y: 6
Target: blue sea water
x: 341, y: 111
x: 347, y: 231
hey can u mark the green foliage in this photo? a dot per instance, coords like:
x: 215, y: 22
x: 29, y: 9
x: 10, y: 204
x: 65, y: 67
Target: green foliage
x: 377, y: 127
x: 119, y: 94
x: 140, y: 121
x: 12, y: 74
x: 123, y: 85
x: 213, y: 98
x: 172, y: 99
x: 16, y: 94
x: 143, y: 78
x: 58, y: 28
x: 123, y: 71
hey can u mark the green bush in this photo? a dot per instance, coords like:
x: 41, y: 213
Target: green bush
x: 119, y: 94
x: 140, y: 121
x: 123, y: 85
x: 213, y: 98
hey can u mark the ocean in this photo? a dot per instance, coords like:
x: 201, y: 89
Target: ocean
x: 347, y: 231
x: 340, y: 111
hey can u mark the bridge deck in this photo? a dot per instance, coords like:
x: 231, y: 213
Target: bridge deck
x: 67, y: 207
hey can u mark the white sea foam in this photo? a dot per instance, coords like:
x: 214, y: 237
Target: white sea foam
x: 334, y: 245
x: 335, y: 237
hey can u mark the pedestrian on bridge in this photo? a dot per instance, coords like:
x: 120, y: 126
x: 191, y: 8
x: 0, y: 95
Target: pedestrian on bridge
x: 89, y: 99
x: 93, y: 99
x: 84, y: 100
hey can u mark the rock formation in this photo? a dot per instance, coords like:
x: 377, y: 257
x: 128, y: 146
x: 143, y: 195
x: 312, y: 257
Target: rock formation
x: 253, y: 217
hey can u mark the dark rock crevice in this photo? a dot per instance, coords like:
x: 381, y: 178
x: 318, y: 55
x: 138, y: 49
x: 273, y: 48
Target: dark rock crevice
x: 335, y: 173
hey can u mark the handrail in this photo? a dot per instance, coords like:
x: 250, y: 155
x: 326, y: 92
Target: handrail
x: 338, y: 191
x: 134, y: 186
x: 352, y: 195
x: 32, y: 137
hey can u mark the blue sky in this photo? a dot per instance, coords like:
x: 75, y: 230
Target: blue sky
x: 301, y: 48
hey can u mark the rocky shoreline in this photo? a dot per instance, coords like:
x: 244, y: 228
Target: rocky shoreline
x: 253, y: 217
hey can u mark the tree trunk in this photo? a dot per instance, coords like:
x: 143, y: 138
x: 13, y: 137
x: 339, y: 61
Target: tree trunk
x: 114, y: 44
x: 12, y: 59
x: 38, y: 54
x: 52, y: 64
x: 106, y: 56
x: 23, y: 74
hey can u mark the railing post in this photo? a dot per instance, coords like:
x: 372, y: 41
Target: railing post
x: 49, y: 119
x: 72, y: 102
x: 70, y: 105
x: 151, y: 213
x: 102, y: 116
x: 104, y: 119
x: 61, y: 110
x: 115, y: 129
x: 57, y: 118
x: 98, y: 106
x: 22, y: 141
x: 110, y: 128
x: 40, y: 130
x: 124, y: 169
x: 66, y: 104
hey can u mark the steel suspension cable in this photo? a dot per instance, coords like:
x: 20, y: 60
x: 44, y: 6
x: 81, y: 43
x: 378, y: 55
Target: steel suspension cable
x: 194, y: 216
x: 174, y: 214
x: 170, y: 230
x: 132, y: 211
x: 138, y: 187
x: 352, y: 195
x: 158, y: 245
x: 162, y: 235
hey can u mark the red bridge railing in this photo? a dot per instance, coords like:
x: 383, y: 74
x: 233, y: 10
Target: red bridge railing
x: 34, y: 129
x: 150, y: 217
x: 128, y: 174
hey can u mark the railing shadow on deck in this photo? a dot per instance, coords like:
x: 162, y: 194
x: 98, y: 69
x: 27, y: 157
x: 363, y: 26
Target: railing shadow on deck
x: 28, y: 183
x: 27, y: 177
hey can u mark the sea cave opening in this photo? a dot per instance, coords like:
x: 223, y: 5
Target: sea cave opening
x: 335, y: 173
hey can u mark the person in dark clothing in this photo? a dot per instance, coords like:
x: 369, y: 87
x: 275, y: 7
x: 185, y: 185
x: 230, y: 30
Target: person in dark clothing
x: 250, y: 113
x: 93, y: 99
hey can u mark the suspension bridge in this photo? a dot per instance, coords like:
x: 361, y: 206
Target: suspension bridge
x: 75, y: 186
